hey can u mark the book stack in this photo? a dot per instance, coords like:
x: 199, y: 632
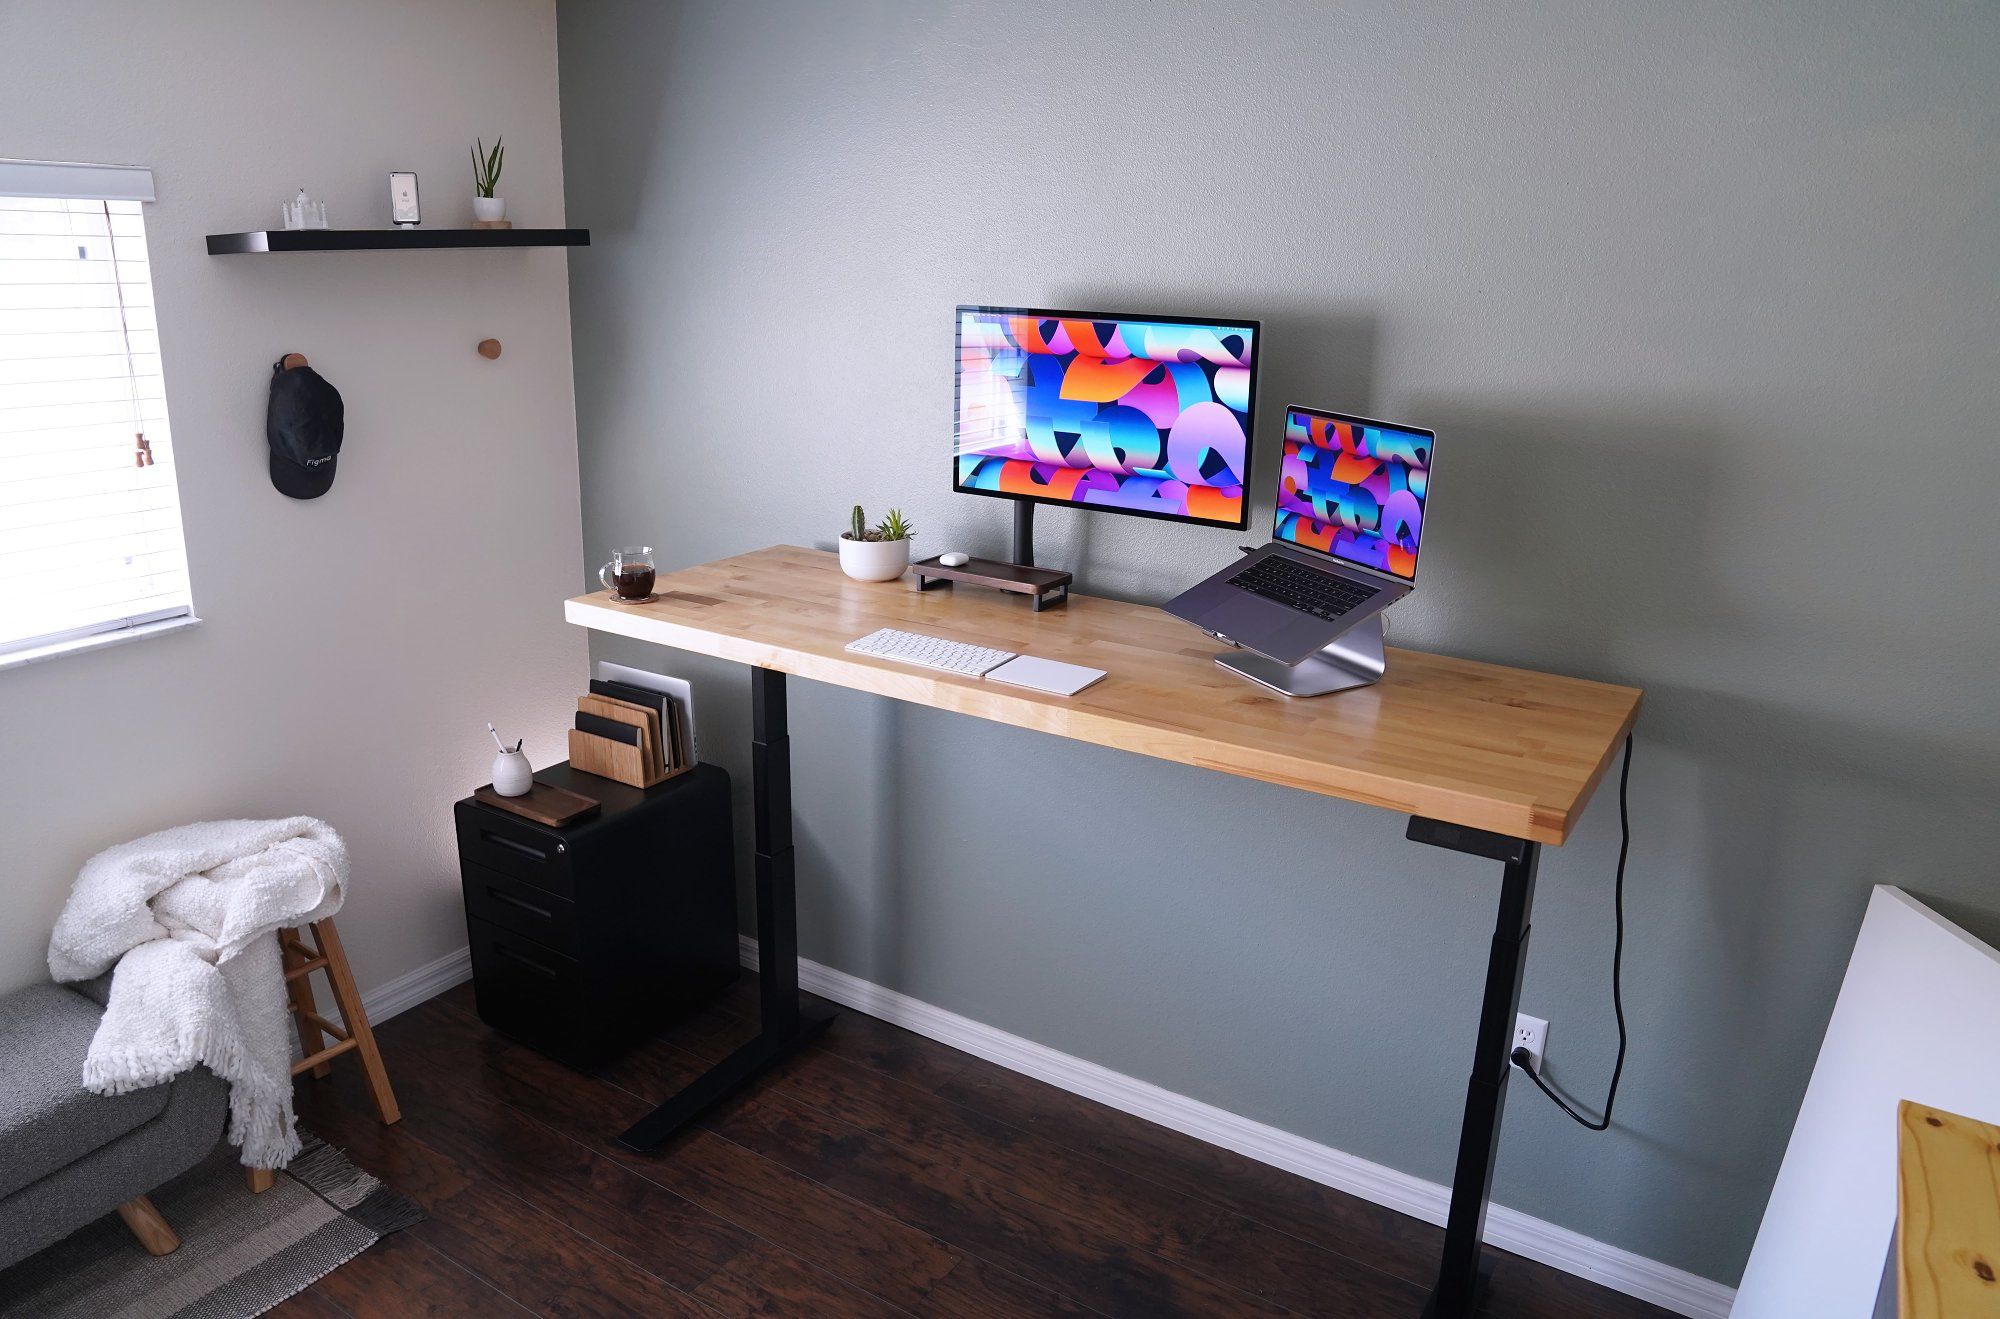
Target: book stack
x: 630, y: 734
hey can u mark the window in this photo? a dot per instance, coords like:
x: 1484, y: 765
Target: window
x: 90, y: 519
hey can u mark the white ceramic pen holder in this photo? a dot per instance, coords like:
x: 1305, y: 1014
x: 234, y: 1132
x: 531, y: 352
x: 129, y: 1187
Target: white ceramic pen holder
x: 512, y: 775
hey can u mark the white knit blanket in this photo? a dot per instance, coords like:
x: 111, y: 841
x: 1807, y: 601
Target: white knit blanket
x: 187, y: 916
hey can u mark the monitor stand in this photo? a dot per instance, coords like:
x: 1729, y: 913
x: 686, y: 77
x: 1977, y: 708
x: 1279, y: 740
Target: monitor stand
x: 1355, y: 658
x: 1044, y: 587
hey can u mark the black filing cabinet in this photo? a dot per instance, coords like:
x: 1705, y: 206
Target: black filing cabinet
x: 591, y: 937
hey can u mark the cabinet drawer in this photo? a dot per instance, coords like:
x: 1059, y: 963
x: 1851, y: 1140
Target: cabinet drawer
x: 507, y: 902
x: 530, y: 992
x: 487, y: 838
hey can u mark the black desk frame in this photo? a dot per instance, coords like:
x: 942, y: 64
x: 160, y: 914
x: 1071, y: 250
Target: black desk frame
x: 1459, y: 1277
x: 786, y: 1025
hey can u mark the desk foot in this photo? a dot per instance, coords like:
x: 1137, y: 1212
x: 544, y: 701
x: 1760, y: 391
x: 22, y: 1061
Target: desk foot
x: 716, y: 1084
x: 1437, y: 1306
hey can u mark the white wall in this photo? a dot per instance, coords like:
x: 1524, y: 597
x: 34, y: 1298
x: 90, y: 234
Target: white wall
x: 352, y: 647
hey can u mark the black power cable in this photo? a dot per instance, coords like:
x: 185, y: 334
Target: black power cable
x: 1521, y: 1057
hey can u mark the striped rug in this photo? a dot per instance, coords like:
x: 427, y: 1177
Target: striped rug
x: 240, y: 1253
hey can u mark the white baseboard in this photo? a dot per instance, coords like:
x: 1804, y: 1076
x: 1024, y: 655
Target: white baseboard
x: 413, y: 987
x: 1507, y: 1229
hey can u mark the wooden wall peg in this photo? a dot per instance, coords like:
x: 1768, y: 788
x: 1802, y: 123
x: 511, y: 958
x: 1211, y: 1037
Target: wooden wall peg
x: 489, y: 348
x: 292, y: 361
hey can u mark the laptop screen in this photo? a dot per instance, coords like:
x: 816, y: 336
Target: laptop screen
x: 1354, y: 489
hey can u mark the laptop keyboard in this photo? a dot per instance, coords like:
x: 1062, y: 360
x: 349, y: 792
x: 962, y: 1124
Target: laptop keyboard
x: 1320, y: 594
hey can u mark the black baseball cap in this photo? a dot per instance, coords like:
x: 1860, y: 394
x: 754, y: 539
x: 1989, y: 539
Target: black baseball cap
x: 303, y: 427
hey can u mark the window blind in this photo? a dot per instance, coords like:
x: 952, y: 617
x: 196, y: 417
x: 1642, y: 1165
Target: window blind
x: 90, y: 522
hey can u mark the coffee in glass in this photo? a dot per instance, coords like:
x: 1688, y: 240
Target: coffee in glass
x: 629, y: 575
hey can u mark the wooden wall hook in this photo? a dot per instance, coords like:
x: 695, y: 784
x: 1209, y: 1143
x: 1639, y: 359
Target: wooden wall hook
x: 292, y: 361
x: 489, y: 348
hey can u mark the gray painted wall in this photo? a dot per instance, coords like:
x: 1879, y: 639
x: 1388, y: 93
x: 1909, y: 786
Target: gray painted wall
x: 1701, y: 299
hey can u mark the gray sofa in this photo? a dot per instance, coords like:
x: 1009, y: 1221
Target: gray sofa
x: 68, y: 1157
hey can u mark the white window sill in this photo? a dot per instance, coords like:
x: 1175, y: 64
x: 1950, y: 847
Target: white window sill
x: 99, y: 641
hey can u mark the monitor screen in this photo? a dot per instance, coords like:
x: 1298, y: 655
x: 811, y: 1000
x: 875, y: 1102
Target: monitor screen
x: 1136, y: 414
x: 1355, y: 489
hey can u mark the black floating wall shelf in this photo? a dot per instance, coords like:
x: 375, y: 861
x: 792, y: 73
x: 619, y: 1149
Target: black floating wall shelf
x: 262, y: 241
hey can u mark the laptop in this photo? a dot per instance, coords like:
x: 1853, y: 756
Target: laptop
x: 1351, y: 496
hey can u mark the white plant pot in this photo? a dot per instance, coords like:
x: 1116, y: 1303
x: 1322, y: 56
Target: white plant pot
x: 489, y: 208
x: 512, y: 775
x: 874, y: 560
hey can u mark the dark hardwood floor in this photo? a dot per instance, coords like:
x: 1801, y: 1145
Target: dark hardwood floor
x: 878, y: 1173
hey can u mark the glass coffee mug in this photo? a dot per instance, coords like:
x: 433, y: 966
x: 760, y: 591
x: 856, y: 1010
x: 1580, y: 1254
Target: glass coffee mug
x: 629, y: 575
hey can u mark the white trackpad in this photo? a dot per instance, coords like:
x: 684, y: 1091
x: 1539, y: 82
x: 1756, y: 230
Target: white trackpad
x: 1042, y: 675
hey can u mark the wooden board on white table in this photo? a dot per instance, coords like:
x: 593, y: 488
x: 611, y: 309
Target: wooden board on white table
x: 1916, y: 1020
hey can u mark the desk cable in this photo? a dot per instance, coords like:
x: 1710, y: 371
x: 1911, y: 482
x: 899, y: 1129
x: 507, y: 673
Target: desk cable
x: 1521, y: 1057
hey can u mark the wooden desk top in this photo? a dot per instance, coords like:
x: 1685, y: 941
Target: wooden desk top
x: 1506, y: 750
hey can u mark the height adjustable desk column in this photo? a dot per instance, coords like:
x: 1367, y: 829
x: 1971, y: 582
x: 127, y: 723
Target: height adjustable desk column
x: 1485, y: 760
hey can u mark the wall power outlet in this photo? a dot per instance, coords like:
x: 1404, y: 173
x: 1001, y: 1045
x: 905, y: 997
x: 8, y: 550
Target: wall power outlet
x: 1532, y: 1034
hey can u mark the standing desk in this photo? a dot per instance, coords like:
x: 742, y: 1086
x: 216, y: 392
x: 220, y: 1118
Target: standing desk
x: 1487, y: 760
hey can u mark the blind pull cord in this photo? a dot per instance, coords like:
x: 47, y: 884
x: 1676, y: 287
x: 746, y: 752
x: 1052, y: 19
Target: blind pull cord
x: 142, y: 452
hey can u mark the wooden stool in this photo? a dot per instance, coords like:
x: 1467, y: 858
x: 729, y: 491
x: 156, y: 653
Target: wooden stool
x: 326, y: 954
x: 301, y: 960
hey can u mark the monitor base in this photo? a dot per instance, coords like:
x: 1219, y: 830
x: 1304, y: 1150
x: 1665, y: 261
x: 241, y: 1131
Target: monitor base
x: 1355, y: 658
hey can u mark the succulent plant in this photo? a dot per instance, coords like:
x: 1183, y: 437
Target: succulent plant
x: 486, y: 166
x: 892, y: 527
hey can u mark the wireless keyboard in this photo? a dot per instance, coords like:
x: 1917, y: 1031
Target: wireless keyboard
x: 958, y: 657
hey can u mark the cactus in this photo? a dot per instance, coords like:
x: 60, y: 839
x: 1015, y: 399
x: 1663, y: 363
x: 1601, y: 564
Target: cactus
x: 892, y: 527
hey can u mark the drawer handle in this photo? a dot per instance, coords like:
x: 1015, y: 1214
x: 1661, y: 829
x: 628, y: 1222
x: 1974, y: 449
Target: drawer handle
x: 542, y: 913
x: 526, y: 961
x: 532, y: 853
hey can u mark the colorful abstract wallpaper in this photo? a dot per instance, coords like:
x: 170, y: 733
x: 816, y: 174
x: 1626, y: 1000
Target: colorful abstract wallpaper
x: 1354, y: 490
x: 1147, y: 416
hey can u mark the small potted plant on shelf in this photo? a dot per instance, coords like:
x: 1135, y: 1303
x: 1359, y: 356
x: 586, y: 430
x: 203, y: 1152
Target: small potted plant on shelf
x: 875, y: 554
x: 488, y: 208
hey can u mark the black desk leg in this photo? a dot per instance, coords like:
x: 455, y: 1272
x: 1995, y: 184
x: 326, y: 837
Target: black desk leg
x: 786, y: 1025
x: 1458, y: 1281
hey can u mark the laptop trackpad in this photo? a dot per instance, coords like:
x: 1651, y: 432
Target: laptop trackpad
x: 1244, y: 615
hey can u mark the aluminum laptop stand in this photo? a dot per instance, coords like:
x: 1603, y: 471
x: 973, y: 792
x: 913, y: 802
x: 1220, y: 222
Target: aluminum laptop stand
x: 1355, y: 658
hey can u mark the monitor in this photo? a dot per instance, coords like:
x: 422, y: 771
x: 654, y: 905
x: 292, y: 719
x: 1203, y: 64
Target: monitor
x: 1355, y: 489
x: 1149, y: 415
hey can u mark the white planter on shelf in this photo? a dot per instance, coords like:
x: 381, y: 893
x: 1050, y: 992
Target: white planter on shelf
x: 489, y: 208
x: 874, y: 560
